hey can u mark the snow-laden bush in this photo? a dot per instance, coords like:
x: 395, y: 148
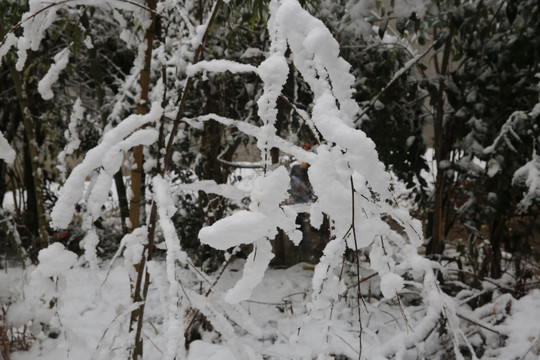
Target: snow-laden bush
x: 351, y: 185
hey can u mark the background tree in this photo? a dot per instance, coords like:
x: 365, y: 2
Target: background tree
x: 487, y: 66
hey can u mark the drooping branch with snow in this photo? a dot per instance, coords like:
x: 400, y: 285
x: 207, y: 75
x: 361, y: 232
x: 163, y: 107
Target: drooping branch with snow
x: 344, y: 153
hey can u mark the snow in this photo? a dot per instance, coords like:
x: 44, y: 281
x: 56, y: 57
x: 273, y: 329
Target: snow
x: 256, y: 264
x: 6, y: 152
x: 55, y: 260
x: 528, y: 176
x: 243, y: 227
x: 98, y: 195
x: 523, y: 327
x: 204, y: 351
x: 107, y: 154
x: 9, y: 41
x: 351, y: 161
x: 251, y: 52
x: 71, y: 135
x: 88, y: 42
x: 391, y: 284
x: 506, y: 131
x: 278, y: 319
x: 273, y: 72
x: 89, y: 243
x: 211, y: 187
x: 493, y: 168
x: 271, y: 139
x: 219, y: 66
x: 166, y: 209
x: 45, y: 85
x: 315, y: 52
x: 132, y: 245
x: 404, y: 8
x: 265, y: 215
x: 90, y: 315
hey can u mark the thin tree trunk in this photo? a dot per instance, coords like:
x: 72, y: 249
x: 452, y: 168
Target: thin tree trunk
x: 282, y: 118
x: 442, y: 152
x: 122, y: 199
x: 279, y: 241
x: 136, y: 183
x: 136, y: 202
x: 3, y: 182
x: 33, y: 151
x: 142, y: 108
x: 141, y: 287
x: 496, y: 235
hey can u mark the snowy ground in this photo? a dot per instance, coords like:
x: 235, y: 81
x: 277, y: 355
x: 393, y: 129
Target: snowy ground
x: 91, y: 311
x: 75, y: 312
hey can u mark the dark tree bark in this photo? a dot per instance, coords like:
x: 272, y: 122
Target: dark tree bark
x: 136, y: 202
x: 32, y: 166
x: 443, y: 141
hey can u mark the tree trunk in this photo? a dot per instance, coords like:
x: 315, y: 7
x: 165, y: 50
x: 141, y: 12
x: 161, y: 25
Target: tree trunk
x: 137, y: 200
x: 122, y: 199
x: 32, y: 148
x: 442, y: 146
x: 282, y: 119
x: 135, y: 324
x: 496, y: 235
x: 141, y: 286
x: 3, y: 182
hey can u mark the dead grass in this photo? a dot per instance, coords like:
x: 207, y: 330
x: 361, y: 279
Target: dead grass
x: 12, y: 339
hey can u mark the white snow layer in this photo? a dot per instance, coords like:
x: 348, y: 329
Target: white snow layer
x: 219, y: 66
x: 246, y: 227
x: 71, y: 135
x: 528, y: 176
x: 243, y: 227
x: 391, y: 284
x: 55, y: 259
x: 175, y: 321
x: 45, y: 85
x: 108, y: 154
x: 404, y: 8
x: 6, y: 152
x: 256, y: 264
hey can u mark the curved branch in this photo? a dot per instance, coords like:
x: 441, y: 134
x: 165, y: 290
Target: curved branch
x: 240, y: 164
x: 48, y: 7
